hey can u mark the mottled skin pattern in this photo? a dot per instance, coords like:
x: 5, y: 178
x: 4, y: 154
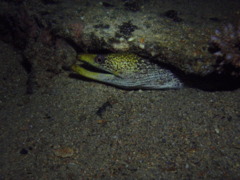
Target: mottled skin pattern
x: 126, y: 70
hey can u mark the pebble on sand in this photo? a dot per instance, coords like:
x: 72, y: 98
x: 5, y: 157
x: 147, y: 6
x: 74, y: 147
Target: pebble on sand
x: 63, y: 152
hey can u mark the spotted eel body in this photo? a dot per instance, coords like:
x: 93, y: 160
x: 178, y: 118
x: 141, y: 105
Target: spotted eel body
x: 126, y: 70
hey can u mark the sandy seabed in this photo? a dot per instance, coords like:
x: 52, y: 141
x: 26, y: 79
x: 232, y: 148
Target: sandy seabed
x: 74, y: 129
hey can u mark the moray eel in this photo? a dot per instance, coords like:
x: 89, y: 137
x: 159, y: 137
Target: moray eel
x: 125, y: 70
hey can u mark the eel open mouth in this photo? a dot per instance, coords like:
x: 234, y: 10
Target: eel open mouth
x: 88, y: 67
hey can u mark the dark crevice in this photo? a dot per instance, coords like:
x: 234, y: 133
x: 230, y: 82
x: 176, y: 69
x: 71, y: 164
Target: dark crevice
x: 212, y: 82
x: 26, y: 65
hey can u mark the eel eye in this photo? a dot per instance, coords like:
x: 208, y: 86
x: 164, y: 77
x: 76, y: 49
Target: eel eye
x: 99, y: 59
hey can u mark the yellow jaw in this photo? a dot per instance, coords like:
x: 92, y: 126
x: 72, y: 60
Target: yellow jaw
x: 89, y: 74
x: 91, y: 60
x: 88, y: 58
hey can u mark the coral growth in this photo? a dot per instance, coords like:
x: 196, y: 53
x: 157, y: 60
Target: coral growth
x: 227, y: 49
x: 75, y: 30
